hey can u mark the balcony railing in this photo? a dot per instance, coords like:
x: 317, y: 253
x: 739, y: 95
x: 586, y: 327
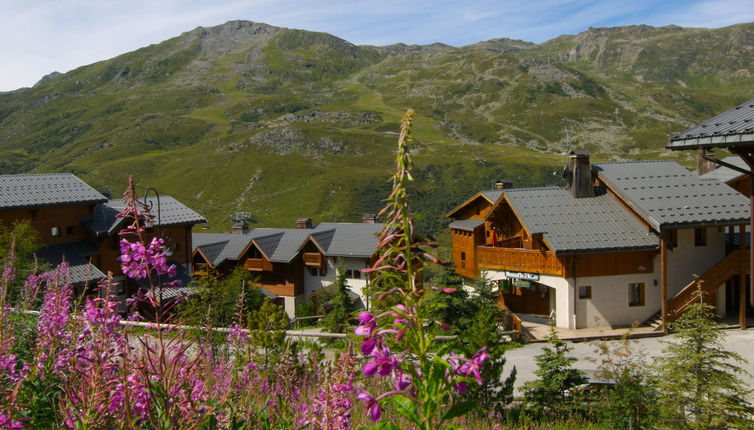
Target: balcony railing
x: 313, y: 259
x: 519, y: 260
x: 257, y: 264
x: 200, y: 269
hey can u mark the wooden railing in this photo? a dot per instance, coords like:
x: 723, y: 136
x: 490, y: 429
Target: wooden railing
x: 313, y: 259
x: 200, y: 269
x: 257, y: 264
x: 512, y: 242
x: 727, y: 268
x: 519, y: 260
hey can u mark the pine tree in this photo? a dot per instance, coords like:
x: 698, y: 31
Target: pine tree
x: 339, y: 316
x: 267, y: 330
x: 698, y: 380
x: 551, y: 395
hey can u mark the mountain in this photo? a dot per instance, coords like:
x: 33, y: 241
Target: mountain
x: 288, y: 123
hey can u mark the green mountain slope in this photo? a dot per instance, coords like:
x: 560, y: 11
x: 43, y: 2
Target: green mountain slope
x: 289, y: 123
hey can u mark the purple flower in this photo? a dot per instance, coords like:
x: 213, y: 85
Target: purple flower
x: 373, y: 407
x: 6, y: 422
x: 367, y: 324
x: 474, y: 365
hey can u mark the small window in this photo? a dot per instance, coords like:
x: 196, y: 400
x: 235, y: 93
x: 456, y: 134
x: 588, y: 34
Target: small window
x: 636, y: 294
x: 463, y: 256
x: 70, y: 230
x: 176, y: 247
x: 488, y: 233
x: 585, y: 292
x: 353, y: 274
x: 673, y: 238
x: 700, y: 237
x: 55, y: 232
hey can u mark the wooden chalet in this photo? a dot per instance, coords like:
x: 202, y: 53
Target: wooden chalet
x: 79, y: 225
x: 731, y: 131
x: 590, y: 254
x: 291, y: 264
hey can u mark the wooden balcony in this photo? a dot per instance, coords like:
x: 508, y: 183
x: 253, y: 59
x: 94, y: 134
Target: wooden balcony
x: 200, y: 269
x: 257, y: 265
x: 313, y: 259
x: 519, y: 260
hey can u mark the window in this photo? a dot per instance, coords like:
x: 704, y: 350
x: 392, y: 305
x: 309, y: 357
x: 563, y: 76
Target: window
x: 70, y: 230
x: 636, y: 294
x: 700, y: 237
x: 673, y: 239
x: 55, y: 232
x: 353, y: 274
x: 463, y: 260
x: 585, y: 292
x: 318, y: 271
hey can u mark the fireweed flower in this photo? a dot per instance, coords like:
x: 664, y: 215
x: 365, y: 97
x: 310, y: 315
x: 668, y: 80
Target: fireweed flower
x: 373, y: 406
x: 420, y: 376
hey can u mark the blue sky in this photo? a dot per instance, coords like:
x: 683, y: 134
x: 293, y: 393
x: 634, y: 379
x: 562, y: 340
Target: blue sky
x: 41, y: 36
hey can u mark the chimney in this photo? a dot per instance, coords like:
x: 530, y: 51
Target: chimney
x: 304, y: 223
x: 240, y: 228
x: 703, y: 166
x: 368, y: 218
x: 580, y: 180
x: 503, y: 184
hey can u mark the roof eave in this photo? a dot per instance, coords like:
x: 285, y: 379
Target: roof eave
x: 722, y: 140
x: 601, y: 250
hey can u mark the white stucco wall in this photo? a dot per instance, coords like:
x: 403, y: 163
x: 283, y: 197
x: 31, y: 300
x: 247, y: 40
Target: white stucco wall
x: 609, y: 304
x: 687, y: 260
x: 313, y: 283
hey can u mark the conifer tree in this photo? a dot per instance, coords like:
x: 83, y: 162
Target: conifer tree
x: 267, y: 330
x: 551, y: 394
x: 698, y: 380
x: 339, y: 316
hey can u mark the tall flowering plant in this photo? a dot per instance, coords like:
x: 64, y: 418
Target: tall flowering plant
x: 428, y: 382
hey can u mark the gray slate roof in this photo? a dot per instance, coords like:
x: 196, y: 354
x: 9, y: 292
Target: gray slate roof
x: 665, y: 194
x: 357, y: 240
x: 724, y: 174
x: 583, y: 225
x: 493, y: 195
x: 77, y: 255
x: 49, y: 189
x: 171, y: 212
x: 466, y: 224
x: 281, y: 245
x: 733, y: 127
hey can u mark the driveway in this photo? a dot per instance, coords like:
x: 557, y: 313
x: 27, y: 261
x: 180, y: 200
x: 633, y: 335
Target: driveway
x: 738, y: 341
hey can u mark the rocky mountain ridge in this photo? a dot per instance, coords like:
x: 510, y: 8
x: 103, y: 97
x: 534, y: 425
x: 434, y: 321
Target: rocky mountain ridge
x: 291, y: 122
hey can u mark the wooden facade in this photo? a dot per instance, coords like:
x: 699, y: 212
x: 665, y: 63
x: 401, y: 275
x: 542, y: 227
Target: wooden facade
x: 55, y: 224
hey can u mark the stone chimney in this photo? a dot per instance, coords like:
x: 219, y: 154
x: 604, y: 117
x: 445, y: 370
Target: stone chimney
x: 503, y: 184
x: 304, y: 223
x: 579, y: 175
x: 703, y: 166
x: 240, y: 227
x: 368, y: 218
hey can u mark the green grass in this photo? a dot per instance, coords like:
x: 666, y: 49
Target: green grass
x: 154, y: 114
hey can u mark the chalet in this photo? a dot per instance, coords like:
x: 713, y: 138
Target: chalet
x: 291, y: 264
x: 591, y: 254
x: 730, y: 131
x: 79, y: 225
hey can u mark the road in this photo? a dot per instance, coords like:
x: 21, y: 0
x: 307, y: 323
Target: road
x: 738, y: 341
